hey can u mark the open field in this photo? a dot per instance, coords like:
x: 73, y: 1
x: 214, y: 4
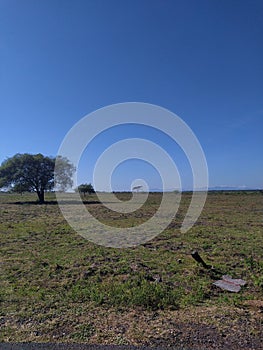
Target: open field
x: 57, y: 286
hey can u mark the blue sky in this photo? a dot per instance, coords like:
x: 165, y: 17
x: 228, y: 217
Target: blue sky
x: 61, y: 60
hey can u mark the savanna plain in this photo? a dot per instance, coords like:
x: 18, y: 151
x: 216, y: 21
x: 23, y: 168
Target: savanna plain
x: 57, y: 286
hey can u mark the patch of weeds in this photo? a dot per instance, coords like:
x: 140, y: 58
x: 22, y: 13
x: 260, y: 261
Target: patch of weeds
x: 231, y: 299
x: 258, y: 281
x: 83, y: 333
x: 121, y: 341
x: 90, y: 292
x: 251, y: 263
x: 6, y: 333
x: 153, y: 296
x: 135, y: 292
x: 198, y: 293
x: 255, y: 268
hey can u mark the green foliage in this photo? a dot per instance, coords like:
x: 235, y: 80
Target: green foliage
x: 136, y: 291
x: 63, y: 173
x: 34, y: 173
x: 85, y: 188
x: 20, y: 188
x: 84, y: 332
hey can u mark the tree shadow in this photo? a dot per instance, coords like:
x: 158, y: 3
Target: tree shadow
x: 54, y: 202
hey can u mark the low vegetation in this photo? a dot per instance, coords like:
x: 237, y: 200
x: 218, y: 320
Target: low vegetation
x: 57, y: 286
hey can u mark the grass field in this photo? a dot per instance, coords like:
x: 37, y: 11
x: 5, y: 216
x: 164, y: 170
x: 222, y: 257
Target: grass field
x: 57, y: 286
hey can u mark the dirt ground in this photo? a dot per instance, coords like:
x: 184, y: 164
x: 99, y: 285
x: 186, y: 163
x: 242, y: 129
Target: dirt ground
x: 199, y: 328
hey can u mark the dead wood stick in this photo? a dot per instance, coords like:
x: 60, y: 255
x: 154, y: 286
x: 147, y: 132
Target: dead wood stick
x: 198, y: 258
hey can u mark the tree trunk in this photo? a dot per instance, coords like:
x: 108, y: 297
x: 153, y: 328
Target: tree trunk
x: 41, y: 196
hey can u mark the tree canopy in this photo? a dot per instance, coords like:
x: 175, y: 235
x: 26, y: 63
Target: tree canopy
x: 35, y: 173
x: 85, y: 188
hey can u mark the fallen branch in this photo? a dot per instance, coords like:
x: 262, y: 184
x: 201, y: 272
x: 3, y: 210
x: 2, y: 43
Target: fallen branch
x: 198, y: 259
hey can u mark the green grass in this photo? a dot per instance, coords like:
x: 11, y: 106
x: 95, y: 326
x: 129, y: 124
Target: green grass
x: 51, y: 275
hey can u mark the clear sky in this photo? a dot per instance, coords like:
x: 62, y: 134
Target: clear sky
x: 203, y: 60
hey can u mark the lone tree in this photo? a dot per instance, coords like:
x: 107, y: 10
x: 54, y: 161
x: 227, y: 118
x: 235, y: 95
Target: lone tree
x: 85, y: 188
x: 35, y: 173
